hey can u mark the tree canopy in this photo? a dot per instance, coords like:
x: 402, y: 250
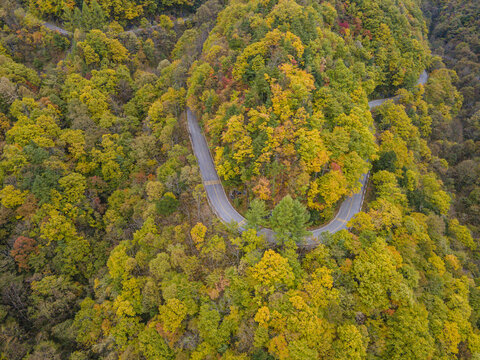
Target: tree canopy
x: 108, y: 246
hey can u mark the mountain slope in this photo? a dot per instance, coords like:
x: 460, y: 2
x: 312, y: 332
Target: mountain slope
x: 282, y: 88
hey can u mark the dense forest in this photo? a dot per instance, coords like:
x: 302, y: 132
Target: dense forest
x: 108, y: 246
x: 455, y: 36
x: 284, y: 99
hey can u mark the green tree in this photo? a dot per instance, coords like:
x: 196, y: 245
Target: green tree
x: 349, y: 343
x: 289, y: 221
x: 377, y: 278
x: 256, y: 214
x: 409, y: 336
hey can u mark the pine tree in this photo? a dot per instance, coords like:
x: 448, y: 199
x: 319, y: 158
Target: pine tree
x: 289, y: 221
x: 87, y: 21
x: 256, y: 214
x: 97, y: 15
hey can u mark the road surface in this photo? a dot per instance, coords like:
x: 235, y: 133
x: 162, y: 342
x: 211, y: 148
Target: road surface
x: 223, y: 208
x: 216, y: 194
x: 52, y: 27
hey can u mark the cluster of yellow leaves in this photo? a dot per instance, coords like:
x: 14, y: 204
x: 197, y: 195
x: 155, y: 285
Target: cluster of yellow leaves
x: 298, y: 328
x: 462, y: 234
x: 331, y: 187
x: 118, y: 10
x: 34, y: 123
x: 10, y: 197
x: 108, y: 157
x: 95, y: 98
x: 172, y: 314
x: 255, y: 53
x: 272, y: 271
x: 198, y: 235
x: 97, y: 46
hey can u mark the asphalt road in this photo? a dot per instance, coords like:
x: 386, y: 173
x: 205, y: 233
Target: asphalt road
x: 216, y: 194
x: 223, y: 208
x: 56, y: 28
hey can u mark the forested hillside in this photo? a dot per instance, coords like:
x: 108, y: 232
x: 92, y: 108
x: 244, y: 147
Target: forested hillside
x: 282, y: 90
x: 455, y: 35
x: 108, y: 246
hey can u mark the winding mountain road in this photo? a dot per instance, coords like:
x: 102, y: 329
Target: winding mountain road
x: 225, y: 211
x: 216, y: 194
